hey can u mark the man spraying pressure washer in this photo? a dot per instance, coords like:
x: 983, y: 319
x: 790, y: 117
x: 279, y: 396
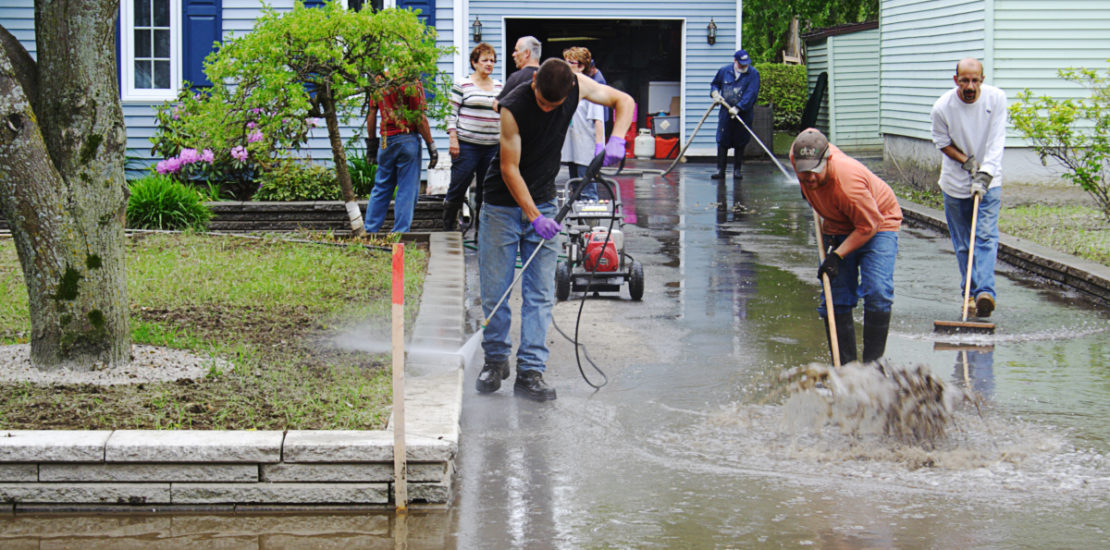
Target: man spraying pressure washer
x: 519, y: 206
x: 861, y: 218
x: 737, y: 84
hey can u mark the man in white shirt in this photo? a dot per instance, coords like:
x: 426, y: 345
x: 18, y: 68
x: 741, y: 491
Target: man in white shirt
x: 969, y: 127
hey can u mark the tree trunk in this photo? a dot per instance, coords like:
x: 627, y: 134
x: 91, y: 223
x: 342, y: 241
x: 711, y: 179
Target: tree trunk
x: 62, y: 184
x: 339, y: 156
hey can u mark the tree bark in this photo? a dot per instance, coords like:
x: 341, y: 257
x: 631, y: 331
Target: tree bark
x: 339, y: 156
x: 62, y: 184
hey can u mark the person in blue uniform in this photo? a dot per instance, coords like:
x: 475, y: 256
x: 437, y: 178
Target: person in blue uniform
x: 737, y: 85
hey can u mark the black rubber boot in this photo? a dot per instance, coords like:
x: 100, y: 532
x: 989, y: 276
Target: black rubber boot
x: 876, y: 324
x: 845, y: 336
x: 529, y: 384
x: 722, y: 162
x: 451, y: 215
x: 738, y: 163
x: 493, y: 372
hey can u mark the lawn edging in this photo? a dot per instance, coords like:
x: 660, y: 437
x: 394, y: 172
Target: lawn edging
x: 1089, y: 278
x: 173, y: 470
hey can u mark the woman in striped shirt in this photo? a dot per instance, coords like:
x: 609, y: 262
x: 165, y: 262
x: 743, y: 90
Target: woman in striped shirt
x: 474, y: 129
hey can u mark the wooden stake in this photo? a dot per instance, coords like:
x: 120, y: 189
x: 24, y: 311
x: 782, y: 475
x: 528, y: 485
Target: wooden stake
x: 400, y: 472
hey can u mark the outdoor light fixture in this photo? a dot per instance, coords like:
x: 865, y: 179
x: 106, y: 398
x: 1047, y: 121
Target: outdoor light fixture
x: 476, y: 29
x: 711, y: 32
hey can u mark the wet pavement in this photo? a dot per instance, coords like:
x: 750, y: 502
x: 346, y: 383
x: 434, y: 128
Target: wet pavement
x: 691, y: 443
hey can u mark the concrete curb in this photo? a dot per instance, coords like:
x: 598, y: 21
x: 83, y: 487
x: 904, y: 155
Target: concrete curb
x: 1090, y: 278
x: 190, y: 470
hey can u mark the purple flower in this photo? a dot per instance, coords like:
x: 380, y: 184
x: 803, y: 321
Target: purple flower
x: 207, y: 156
x: 256, y: 110
x: 189, y: 156
x: 168, y: 166
x: 239, y: 152
x: 313, y: 122
x: 251, y: 125
x: 254, y: 136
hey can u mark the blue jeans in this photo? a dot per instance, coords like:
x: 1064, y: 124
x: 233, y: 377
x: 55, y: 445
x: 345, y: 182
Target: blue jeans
x: 398, y: 168
x: 958, y: 214
x: 868, y: 273
x: 502, y: 231
x: 473, y: 161
x: 589, y: 193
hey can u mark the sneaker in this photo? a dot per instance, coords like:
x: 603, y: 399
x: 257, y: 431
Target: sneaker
x: 984, y: 305
x: 493, y: 372
x: 969, y: 307
x: 530, y: 384
x: 737, y: 175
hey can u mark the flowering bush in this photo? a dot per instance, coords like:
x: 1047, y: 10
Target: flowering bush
x: 277, y: 81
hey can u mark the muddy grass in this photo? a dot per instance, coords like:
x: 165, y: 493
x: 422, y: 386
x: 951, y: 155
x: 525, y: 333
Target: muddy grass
x: 280, y: 371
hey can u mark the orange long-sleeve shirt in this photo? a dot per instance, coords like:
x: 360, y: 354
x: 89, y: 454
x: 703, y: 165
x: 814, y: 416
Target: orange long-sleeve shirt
x: 853, y: 198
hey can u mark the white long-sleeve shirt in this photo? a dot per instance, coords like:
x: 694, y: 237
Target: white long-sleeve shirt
x: 977, y: 129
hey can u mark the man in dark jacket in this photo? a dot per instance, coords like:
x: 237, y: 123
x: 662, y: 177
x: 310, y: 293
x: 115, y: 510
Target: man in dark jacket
x: 737, y: 85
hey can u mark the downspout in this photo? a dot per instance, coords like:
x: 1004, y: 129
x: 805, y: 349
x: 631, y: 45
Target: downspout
x: 462, y: 38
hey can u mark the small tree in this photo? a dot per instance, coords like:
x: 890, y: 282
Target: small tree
x: 292, y: 68
x: 1075, y: 132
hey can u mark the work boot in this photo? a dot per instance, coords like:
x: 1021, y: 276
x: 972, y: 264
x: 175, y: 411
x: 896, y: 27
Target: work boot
x: 984, y: 305
x: 845, y: 336
x: 876, y: 324
x: 737, y: 165
x: 530, y: 384
x: 722, y: 162
x: 493, y: 372
x: 970, y: 308
x: 451, y: 215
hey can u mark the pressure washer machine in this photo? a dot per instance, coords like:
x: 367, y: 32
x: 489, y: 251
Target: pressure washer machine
x: 594, y: 258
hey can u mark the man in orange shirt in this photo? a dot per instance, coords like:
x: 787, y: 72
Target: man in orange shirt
x: 860, y: 222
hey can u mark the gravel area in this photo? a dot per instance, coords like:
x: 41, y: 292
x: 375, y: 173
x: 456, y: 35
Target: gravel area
x: 148, y: 364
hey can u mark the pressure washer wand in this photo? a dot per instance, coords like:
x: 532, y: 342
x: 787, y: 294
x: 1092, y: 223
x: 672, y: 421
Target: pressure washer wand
x: 591, y: 174
x: 736, y: 114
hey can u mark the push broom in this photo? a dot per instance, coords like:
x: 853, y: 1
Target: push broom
x: 963, y: 325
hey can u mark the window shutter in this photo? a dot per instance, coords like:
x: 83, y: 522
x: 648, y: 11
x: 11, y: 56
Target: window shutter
x: 202, y: 24
x: 427, y: 9
x: 314, y: 3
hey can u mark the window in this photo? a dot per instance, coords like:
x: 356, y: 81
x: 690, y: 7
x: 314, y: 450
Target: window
x: 150, y: 47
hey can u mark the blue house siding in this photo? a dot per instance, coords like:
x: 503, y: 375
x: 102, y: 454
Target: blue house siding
x: 18, y: 16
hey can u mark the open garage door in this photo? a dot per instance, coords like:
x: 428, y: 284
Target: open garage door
x: 641, y: 57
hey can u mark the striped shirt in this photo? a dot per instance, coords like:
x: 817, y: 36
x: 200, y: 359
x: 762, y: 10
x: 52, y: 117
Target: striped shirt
x: 472, y: 114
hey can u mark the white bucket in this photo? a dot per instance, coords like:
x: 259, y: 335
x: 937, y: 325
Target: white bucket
x: 439, y: 179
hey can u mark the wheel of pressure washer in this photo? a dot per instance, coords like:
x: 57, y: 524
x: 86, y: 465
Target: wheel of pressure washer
x: 562, y: 282
x: 636, y: 281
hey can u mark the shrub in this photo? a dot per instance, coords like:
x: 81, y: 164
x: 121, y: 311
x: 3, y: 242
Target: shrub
x: 784, y: 87
x: 159, y: 202
x: 295, y: 181
x: 362, y: 171
x: 1074, y: 132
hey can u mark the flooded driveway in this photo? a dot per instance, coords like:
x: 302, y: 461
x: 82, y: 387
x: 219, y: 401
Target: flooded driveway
x: 688, y: 445
x: 691, y: 444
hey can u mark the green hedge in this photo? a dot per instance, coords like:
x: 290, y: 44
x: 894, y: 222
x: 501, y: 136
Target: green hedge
x: 160, y: 202
x: 784, y: 87
x: 291, y: 180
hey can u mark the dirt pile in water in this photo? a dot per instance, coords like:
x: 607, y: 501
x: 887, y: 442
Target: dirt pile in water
x: 904, y: 402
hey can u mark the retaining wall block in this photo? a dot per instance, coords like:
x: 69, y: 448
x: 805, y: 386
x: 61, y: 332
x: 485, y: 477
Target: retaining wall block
x: 194, y: 446
x: 53, y: 445
x: 289, y: 493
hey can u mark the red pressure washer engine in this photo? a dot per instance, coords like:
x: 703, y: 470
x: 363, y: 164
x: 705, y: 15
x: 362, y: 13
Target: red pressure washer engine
x: 601, y: 253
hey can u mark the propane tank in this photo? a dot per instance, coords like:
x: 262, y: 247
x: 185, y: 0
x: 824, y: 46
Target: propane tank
x: 645, y: 145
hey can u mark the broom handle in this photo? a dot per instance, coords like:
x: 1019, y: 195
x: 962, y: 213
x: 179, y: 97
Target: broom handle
x: 830, y: 312
x: 970, y: 256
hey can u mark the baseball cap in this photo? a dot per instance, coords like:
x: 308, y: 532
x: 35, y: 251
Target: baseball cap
x: 741, y: 56
x: 808, y: 151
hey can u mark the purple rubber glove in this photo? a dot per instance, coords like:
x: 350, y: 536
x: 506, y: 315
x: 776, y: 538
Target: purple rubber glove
x: 614, y: 151
x: 545, y: 227
x: 598, y: 148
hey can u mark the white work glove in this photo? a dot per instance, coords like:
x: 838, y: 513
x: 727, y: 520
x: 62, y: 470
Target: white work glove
x: 734, y: 111
x: 971, y: 165
x: 979, y: 183
x: 716, y: 96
